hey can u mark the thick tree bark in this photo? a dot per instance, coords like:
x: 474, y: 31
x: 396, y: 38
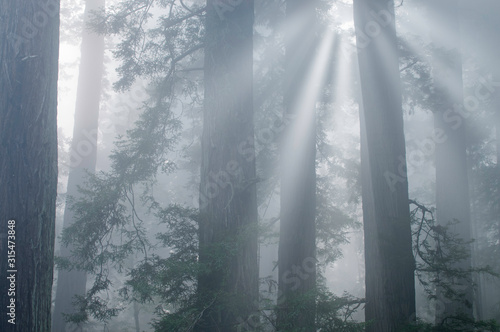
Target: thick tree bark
x: 82, y: 159
x: 389, y: 263
x: 452, y: 187
x: 228, y: 290
x: 297, y: 244
x: 497, y: 127
x: 29, y: 43
x: 496, y: 110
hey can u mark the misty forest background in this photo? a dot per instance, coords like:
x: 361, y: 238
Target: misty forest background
x: 251, y: 165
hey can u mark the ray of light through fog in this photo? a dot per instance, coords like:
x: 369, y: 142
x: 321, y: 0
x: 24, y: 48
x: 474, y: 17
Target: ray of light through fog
x: 301, y: 126
x: 419, y: 32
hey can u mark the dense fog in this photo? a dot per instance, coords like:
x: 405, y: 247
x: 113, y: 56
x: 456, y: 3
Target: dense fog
x: 250, y: 165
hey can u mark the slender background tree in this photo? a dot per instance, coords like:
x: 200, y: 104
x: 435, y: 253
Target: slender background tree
x: 82, y: 156
x: 452, y: 187
x: 297, y: 245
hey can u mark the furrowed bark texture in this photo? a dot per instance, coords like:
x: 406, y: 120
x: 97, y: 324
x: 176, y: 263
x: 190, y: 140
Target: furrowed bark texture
x: 228, y: 290
x: 389, y: 263
x: 29, y: 42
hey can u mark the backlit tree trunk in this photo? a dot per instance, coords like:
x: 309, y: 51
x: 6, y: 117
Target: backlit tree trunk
x: 297, y: 245
x: 82, y: 158
x: 390, y: 285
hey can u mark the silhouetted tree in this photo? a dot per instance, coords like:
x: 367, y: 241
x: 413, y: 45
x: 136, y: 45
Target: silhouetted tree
x: 228, y: 203
x: 29, y: 34
x: 390, y: 285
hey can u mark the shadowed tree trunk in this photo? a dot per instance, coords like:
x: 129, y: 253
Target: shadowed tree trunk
x: 297, y: 244
x: 452, y: 186
x: 497, y: 127
x: 496, y: 110
x: 82, y: 159
x: 390, y: 285
x: 228, y: 289
x: 29, y: 43
x: 492, y: 287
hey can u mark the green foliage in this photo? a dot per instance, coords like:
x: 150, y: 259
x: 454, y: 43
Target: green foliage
x: 95, y: 305
x: 181, y: 320
x: 158, y: 38
x: 171, y: 279
x: 415, y: 70
x: 332, y: 223
x: 335, y: 313
x: 438, y: 251
x: 454, y: 324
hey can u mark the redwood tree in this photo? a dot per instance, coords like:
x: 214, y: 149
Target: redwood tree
x: 82, y: 157
x: 452, y: 187
x: 297, y: 244
x: 29, y: 44
x: 390, y: 283
x: 228, y: 284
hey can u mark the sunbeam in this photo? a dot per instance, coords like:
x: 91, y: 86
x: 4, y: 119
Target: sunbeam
x: 301, y: 125
x: 249, y: 165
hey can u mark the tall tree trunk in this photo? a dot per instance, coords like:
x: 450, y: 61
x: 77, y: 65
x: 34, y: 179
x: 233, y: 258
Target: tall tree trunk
x: 136, y: 317
x: 494, y: 294
x: 390, y: 283
x: 82, y: 159
x: 29, y: 44
x: 452, y: 187
x: 497, y: 125
x: 484, y: 19
x: 496, y: 104
x: 297, y: 243
x: 228, y: 289
x: 479, y: 279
